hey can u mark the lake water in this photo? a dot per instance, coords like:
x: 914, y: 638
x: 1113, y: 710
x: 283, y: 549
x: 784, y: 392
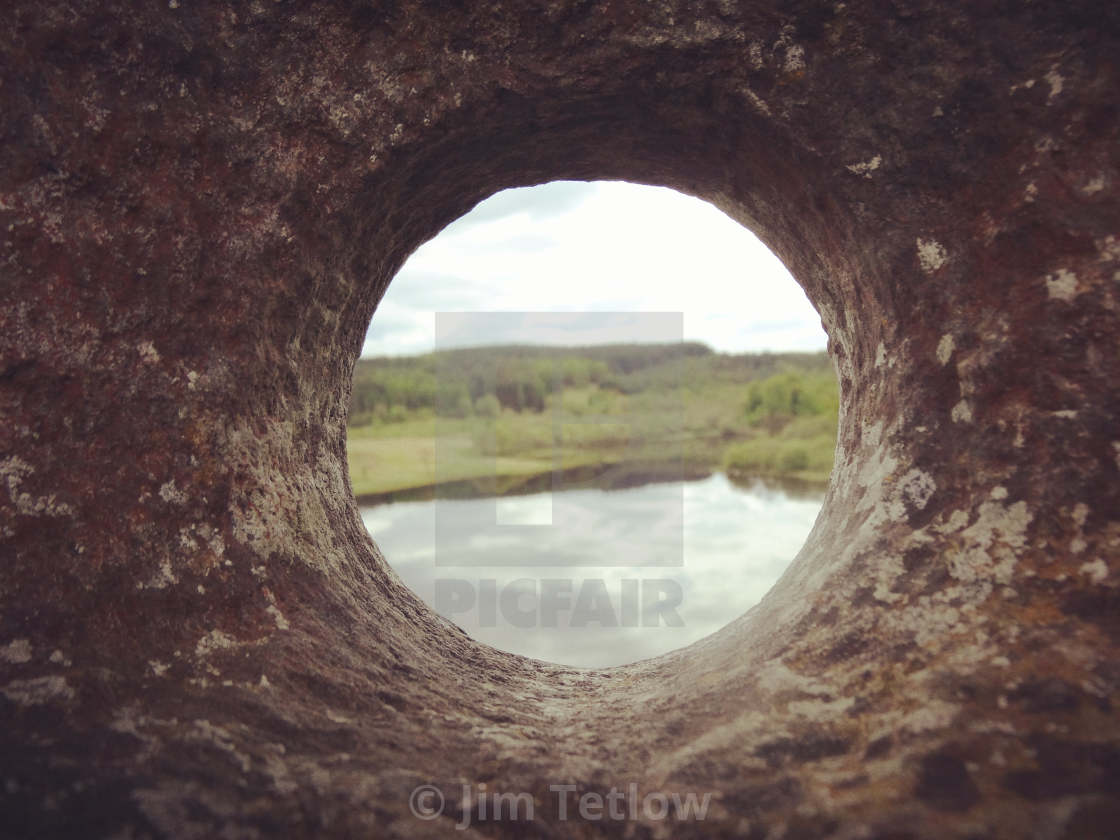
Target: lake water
x: 592, y: 577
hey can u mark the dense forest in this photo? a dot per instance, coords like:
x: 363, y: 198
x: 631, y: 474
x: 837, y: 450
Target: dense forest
x: 766, y: 414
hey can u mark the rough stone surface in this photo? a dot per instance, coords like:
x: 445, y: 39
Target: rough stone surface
x: 200, y: 205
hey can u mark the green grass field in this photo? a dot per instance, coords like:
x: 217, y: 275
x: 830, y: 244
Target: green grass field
x: 415, y: 424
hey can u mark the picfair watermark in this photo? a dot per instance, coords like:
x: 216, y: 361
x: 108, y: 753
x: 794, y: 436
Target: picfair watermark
x: 562, y: 602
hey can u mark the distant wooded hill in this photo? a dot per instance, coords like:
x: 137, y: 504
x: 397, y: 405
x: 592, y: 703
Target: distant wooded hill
x: 486, y: 380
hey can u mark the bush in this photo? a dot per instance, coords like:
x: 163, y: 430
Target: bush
x: 794, y: 459
x: 453, y: 400
x: 753, y: 456
x: 487, y: 406
x: 778, y: 399
x: 775, y: 455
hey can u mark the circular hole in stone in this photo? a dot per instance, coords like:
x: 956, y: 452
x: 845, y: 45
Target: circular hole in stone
x: 593, y: 422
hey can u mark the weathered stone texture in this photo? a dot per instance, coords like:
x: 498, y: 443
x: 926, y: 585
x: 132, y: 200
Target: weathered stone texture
x: 200, y: 205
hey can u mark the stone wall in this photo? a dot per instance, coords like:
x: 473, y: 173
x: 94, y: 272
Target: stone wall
x: 200, y: 206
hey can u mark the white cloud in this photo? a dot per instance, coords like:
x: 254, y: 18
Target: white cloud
x: 604, y: 247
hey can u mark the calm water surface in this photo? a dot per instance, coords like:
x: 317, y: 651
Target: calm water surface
x: 592, y: 577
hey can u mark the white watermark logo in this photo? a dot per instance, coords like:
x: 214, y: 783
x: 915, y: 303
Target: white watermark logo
x: 478, y: 804
x: 561, y: 602
x: 552, y: 433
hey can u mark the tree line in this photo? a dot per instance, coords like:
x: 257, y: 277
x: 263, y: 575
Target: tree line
x: 484, y: 381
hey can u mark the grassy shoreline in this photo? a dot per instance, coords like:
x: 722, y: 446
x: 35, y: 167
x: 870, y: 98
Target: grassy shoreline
x: 392, y: 466
x: 415, y: 425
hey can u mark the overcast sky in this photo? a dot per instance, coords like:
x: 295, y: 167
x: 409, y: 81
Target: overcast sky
x: 572, y: 246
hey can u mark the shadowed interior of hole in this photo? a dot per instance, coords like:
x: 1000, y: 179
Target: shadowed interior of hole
x: 613, y: 248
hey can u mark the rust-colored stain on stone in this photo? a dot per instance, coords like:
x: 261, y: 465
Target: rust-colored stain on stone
x: 201, y: 204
